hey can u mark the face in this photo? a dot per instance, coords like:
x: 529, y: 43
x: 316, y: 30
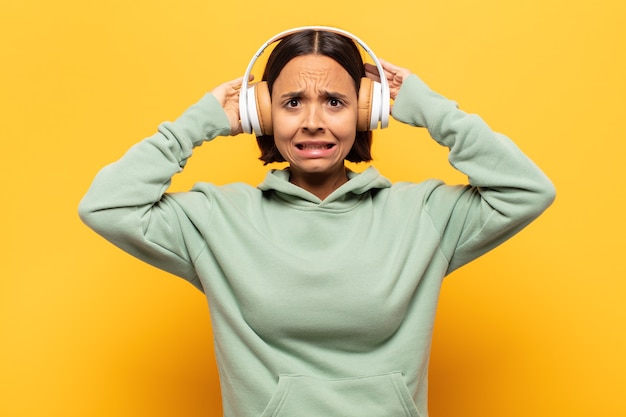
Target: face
x: 314, y: 114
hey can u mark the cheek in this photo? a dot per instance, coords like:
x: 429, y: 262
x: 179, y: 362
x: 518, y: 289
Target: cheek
x: 347, y: 125
x: 284, y: 127
x: 344, y: 128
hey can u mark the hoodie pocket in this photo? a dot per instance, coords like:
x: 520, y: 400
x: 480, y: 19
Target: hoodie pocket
x: 372, y: 396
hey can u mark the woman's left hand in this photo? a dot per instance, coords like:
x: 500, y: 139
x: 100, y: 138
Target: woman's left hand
x: 395, y: 75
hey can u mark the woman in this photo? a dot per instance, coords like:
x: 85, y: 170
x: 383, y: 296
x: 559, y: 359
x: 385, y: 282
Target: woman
x: 322, y: 283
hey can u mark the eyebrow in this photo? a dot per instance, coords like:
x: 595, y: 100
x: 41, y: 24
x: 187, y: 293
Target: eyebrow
x: 324, y: 93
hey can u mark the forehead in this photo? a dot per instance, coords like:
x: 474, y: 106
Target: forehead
x: 313, y: 70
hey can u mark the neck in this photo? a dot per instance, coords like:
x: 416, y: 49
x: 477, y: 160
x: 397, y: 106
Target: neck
x: 320, y: 185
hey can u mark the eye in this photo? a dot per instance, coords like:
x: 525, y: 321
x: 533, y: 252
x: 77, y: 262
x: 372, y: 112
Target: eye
x: 292, y: 103
x: 334, y: 102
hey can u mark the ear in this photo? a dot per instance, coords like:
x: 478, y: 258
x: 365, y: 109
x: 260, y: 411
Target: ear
x: 364, y: 105
x: 264, y: 107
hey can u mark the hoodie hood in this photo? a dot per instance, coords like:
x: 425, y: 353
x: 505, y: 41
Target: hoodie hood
x: 343, y: 197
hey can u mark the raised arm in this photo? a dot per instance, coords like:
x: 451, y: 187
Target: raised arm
x: 127, y: 203
x: 506, y: 189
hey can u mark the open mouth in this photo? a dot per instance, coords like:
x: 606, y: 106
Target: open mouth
x: 314, y: 146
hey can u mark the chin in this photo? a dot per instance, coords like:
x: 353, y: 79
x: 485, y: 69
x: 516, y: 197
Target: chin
x: 319, y: 169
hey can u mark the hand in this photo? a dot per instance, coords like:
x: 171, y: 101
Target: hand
x: 395, y: 75
x: 227, y: 95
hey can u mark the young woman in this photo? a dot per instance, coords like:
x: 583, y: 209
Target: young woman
x: 322, y: 283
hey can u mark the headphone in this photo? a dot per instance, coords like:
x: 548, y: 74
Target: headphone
x: 255, y: 101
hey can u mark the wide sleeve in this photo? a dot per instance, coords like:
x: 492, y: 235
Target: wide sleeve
x: 506, y: 189
x: 127, y: 202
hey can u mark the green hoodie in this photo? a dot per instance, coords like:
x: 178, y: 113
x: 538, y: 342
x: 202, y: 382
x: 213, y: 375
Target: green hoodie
x: 320, y: 308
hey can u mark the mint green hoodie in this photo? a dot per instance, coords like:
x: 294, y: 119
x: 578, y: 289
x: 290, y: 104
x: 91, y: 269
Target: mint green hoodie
x: 320, y: 308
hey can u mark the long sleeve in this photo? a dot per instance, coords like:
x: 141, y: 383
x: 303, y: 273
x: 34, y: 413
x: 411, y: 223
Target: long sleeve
x: 126, y: 202
x: 506, y: 189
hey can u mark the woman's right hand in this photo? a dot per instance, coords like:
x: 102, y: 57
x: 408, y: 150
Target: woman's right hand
x: 227, y: 95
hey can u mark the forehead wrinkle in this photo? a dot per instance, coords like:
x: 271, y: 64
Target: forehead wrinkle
x: 318, y: 81
x: 309, y: 75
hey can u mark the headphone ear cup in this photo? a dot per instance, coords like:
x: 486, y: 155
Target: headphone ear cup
x: 376, y: 116
x: 248, y: 112
x: 264, y: 108
x: 364, y: 105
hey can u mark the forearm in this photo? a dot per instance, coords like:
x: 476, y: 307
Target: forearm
x: 490, y: 160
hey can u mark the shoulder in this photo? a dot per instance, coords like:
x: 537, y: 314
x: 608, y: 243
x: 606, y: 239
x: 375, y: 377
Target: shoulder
x: 434, y: 195
x: 205, y: 194
x: 235, y: 190
x: 418, y: 190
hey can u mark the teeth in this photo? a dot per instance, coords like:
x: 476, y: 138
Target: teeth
x: 314, y: 147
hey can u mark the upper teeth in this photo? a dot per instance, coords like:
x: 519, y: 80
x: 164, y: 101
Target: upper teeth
x: 316, y: 146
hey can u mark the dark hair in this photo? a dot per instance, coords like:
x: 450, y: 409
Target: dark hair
x: 316, y: 42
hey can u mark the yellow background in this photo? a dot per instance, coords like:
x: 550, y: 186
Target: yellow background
x: 535, y: 328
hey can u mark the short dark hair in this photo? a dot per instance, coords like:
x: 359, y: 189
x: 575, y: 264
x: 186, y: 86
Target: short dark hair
x: 316, y: 42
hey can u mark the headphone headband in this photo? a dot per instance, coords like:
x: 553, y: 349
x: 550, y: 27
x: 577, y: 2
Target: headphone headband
x: 383, y: 117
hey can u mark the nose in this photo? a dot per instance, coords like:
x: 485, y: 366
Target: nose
x: 314, y: 119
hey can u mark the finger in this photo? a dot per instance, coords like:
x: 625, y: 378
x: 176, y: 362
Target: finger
x: 389, y: 67
x: 238, y: 82
x: 373, y: 70
x: 394, y: 73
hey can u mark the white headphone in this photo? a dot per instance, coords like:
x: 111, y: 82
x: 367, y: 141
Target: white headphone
x: 255, y: 101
